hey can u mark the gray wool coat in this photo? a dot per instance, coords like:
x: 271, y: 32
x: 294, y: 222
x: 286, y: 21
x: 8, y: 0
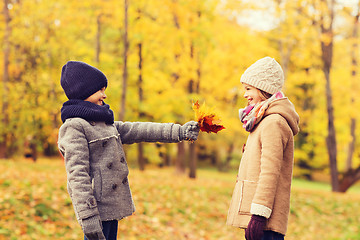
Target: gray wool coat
x: 97, y: 172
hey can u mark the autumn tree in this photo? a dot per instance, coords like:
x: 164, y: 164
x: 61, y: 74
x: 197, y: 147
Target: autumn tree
x: 326, y: 22
x: 324, y: 19
x: 162, y: 57
x: 125, y: 60
x: 5, y: 81
x: 352, y: 175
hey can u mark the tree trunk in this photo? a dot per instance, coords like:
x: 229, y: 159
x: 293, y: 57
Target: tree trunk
x: 180, y: 163
x: 140, y: 79
x: 125, y: 56
x: 5, y: 103
x: 166, y: 157
x: 352, y: 176
x: 180, y: 160
x: 349, y: 179
x: 326, y: 56
x: 97, y: 40
x: 351, y: 148
x: 52, y: 149
x: 192, y: 160
x: 34, y: 152
x: 164, y: 154
x: 192, y: 146
x: 141, y: 160
x: 354, y: 47
x: 331, y: 138
x: 214, y: 157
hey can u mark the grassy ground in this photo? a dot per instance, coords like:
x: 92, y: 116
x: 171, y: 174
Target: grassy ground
x: 34, y: 204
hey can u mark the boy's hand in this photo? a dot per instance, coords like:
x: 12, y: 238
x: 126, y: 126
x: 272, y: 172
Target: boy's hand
x: 92, y: 228
x: 255, y: 229
x: 189, y: 131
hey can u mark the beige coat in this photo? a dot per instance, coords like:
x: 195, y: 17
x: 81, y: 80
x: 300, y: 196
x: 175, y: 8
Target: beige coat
x: 264, y: 178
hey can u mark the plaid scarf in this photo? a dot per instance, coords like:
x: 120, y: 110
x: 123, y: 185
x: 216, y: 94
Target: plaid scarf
x: 252, y: 114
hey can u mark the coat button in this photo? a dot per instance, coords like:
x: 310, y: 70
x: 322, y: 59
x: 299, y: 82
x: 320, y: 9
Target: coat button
x: 125, y: 181
x: 122, y: 159
x: 109, y: 165
x: 104, y: 143
x: 114, y: 186
x: 92, y: 123
x: 92, y: 201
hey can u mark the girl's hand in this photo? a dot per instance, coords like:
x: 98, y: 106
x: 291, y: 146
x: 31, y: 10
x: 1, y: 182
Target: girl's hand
x: 255, y: 229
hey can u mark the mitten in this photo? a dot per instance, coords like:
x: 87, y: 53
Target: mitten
x: 255, y: 229
x: 92, y: 228
x: 189, y: 131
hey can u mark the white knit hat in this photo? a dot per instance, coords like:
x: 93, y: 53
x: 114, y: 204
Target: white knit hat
x: 265, y: 74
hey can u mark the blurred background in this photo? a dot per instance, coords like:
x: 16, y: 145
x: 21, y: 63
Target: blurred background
x: 159, y: 56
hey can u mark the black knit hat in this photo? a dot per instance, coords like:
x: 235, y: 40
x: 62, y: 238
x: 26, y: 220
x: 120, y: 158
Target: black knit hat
x: 80, y: 80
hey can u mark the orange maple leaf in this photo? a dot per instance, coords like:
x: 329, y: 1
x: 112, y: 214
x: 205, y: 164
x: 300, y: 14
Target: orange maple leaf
x: 208, y: 122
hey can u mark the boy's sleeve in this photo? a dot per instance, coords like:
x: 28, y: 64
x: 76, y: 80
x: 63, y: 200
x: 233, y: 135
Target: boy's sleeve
x: 133, y: 132
x: 74, y: 147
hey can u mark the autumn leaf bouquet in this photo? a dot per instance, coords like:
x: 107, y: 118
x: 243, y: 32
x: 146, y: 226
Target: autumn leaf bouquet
x: 207, y: 120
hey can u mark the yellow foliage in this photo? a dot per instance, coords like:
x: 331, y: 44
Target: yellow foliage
x: 190, y: 50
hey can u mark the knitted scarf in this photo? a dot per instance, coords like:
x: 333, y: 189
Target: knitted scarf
x: 252, y: 114
x: 87, y: 110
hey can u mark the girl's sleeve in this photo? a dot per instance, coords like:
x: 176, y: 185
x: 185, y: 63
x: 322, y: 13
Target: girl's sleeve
x: 133, y: 132
x: 73, y: 145
x: 274, y: 137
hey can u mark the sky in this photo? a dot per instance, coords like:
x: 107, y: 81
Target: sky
x: 263, y: 20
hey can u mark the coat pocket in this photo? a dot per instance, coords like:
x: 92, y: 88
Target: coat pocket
x: 97, y: 185
x: 248, y: 189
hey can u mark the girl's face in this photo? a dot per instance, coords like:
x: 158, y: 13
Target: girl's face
x: 252, y: 94
x: 97, y: 97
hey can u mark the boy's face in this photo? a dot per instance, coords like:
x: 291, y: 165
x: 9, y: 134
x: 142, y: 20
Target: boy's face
x: 252, y: 94
x: 97, y: 97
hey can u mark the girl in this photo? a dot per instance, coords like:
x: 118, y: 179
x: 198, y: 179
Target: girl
x: 261, y: 199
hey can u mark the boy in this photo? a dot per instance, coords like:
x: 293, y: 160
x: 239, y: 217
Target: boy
x: 91, y: 143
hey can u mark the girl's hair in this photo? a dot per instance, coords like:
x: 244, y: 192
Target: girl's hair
x: 265, y: 94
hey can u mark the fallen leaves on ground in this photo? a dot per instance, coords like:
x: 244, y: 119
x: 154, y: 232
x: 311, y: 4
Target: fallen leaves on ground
x: 34, y: 204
